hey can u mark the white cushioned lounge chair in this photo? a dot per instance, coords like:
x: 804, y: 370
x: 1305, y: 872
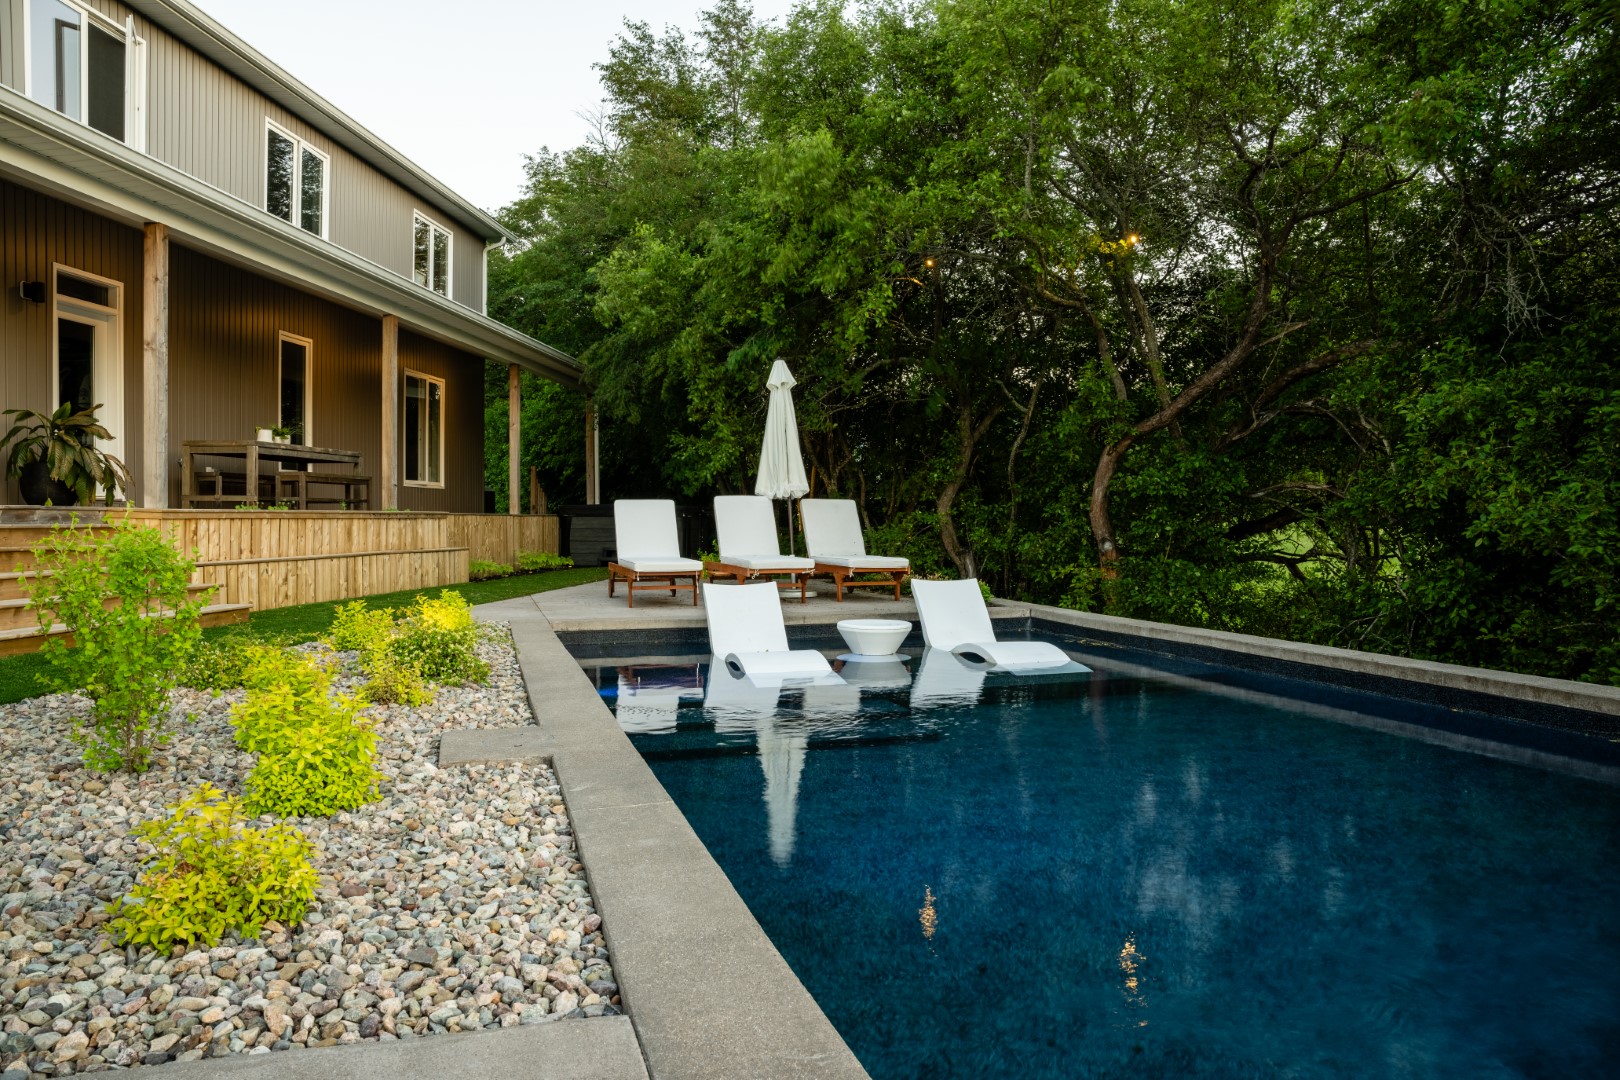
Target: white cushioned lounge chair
x: 648, y: 555
x: 954, y: 617
x: 749, y: 548
x: 832, y: 537
x: 749, y: 639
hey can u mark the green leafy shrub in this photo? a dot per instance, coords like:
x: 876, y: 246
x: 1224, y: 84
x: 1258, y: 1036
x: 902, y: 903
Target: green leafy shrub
x: 391, y: 681
x: 223, y: 663
x: 531, y: 561
x: 123, y: 594
x: 439, y: 638
x: 483, y: 570
x: 211, y: 872
x: 356, y: 627
x: 315, y: 748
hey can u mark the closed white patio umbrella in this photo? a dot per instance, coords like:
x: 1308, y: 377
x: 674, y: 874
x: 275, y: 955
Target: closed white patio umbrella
x: 781, y: 463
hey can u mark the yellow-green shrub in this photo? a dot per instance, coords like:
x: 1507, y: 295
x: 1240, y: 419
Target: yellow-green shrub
x: 439, y: 638
x: 390, y: 681
x: 315, y: 748
x: 211, y: 872
x: 530, y: 561
x: 483, y: 570
x: 356, y: 627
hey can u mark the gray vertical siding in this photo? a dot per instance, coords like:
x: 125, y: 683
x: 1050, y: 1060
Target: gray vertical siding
x: 207, y: 123
x: 35, y: 232
x: 224, y: 334
x: 467, y: 288
x: 11, y: 44
x: 463, y: 376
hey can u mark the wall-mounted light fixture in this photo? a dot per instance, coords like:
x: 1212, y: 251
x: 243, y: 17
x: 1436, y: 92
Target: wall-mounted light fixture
x: 32, y: 291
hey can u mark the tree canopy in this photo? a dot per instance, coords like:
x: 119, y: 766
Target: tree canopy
x: 1290, y: 317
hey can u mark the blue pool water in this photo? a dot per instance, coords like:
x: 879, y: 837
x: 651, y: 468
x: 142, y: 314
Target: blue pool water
x: 1151, y: 873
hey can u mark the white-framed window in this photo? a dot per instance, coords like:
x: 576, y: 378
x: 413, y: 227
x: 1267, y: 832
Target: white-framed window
x: 87, y: 67
x: 431, y: 254
x: 424, y: 430
x: 293, y: 379
x: 295, y: 179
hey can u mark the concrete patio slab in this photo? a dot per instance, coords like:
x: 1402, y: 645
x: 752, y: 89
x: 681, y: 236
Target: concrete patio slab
x: 587, y: 607
x: 599, y: 1049
x: 709, y: 996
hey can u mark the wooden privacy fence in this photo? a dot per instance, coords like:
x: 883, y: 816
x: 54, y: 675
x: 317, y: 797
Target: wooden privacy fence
x: 276, y: 558
x: 496, y: 538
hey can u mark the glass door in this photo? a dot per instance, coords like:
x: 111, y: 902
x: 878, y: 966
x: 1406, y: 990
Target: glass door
x: 87, y: 362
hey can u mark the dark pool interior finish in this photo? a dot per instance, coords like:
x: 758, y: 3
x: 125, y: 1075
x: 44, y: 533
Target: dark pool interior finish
x: 1159, y: 869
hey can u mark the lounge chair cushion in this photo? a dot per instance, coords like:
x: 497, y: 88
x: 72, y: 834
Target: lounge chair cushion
x: 745, y: 525
x: 661, y: 566
x: 865, y: 562
x: 831, y: 527
x: 768, y: 562
x: 645, y: 529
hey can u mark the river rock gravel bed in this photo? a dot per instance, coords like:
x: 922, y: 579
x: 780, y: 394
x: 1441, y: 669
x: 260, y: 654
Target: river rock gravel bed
x: 455, y: 902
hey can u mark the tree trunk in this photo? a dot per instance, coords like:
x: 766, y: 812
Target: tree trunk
x: 969, y: 435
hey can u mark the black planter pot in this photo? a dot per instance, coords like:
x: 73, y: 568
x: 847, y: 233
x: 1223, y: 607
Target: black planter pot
x: 38, y: 487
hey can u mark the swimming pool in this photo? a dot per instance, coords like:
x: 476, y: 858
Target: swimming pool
x: 1162, y: 868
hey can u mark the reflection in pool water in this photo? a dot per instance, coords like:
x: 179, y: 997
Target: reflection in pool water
x: 1152, y: 873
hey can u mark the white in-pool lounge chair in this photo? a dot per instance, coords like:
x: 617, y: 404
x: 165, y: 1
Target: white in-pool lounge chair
x: 832, y: 537
x: 749, y: 548
x: 749, y: 639
x: 954, y: 617
x: 649, y: 550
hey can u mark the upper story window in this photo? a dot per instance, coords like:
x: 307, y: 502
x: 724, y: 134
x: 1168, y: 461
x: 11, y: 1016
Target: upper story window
x: 432, y: 268
x: 86, y: 67
x: 295, y: 180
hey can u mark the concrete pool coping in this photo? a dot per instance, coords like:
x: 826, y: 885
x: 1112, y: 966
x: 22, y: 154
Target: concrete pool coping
x: 705, y: 991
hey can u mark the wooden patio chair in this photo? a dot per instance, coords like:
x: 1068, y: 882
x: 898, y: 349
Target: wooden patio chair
x: 832, y: 537
x: 749, y: 548
x: 648, y: 555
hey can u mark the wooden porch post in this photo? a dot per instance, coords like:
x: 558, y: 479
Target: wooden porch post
x: 155, y: 367
x: 388, y: 466
x: 514, y: 440
x: 592, y: 494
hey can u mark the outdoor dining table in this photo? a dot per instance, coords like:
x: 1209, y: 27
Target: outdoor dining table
x: 252, y: 453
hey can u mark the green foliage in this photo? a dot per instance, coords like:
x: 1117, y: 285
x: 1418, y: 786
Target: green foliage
x: 315, y: 748
x: 483, y: 569
x: 532, y: 561
x: 439, y: 638
x: 211, y: 872
x: 66, y: 441
x: 357, y: 627
x: 1277, y: 317
x: 392, y: 681
x: 221, y: 663
x: 123, y: 594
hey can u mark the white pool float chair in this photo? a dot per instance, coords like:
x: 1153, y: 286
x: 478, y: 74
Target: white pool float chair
x: 749, y: 639
x: 648, y: 549
x: 954, y: 617
x: 832, y: 537
x: 745, y: 526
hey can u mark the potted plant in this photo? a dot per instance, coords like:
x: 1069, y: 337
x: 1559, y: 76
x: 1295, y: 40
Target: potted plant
x: 55, y: 458
x: 264, y: 434
x: 281, y: 434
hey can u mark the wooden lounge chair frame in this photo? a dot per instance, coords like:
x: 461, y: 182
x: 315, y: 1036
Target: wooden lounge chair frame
x: 846, y: 532
x: 742, y: 574
x: 753, y: 531
x: 645, y: 528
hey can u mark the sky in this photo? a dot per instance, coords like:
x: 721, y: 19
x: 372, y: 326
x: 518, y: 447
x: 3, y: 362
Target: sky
x: 464, y: 89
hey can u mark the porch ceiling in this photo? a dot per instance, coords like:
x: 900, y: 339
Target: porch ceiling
x: 40, y: 149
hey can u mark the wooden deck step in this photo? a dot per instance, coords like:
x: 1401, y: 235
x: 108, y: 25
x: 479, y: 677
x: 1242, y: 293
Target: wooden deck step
x: 18, y: 612
x: 28, y: 639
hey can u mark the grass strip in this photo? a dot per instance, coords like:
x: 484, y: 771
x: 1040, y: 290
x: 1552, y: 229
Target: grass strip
x: 20, y: 675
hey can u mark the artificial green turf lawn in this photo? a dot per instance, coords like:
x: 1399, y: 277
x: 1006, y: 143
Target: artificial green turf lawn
x: 19, y: 674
